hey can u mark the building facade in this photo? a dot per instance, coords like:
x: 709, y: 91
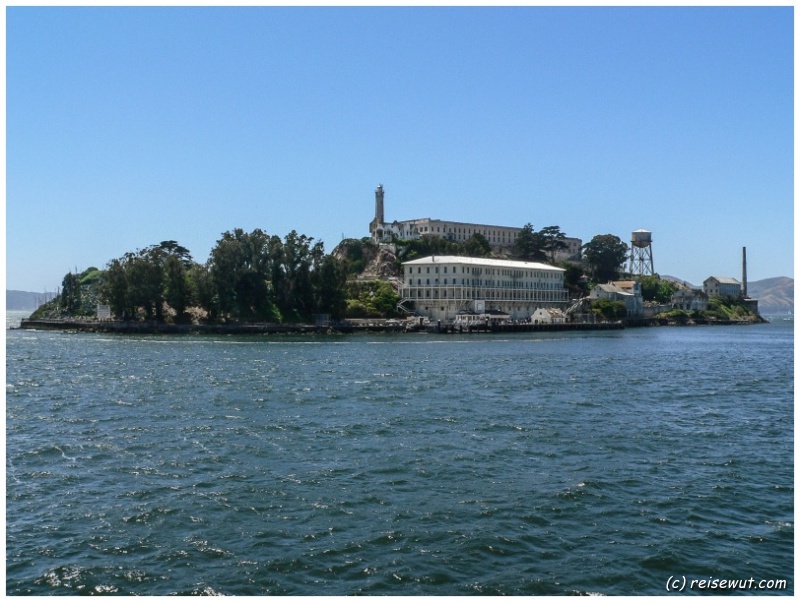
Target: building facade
x: 548, y: 315
x: 628, y: 292
x: 690, y: 300
x: 501, y: 238
x: 722, y: 286
x: 442, y: 287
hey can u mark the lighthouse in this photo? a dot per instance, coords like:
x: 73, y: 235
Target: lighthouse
x: 376, y: 225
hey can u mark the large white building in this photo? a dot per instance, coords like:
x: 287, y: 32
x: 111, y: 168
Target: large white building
x: 501, y: 238
x: 442, y: 287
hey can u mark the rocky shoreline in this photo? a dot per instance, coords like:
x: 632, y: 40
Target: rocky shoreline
x: 347, y: 327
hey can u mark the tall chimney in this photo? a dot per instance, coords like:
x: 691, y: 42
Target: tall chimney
x: 744, y: 272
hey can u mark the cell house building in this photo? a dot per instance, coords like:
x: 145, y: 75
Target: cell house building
x: 501, y: 238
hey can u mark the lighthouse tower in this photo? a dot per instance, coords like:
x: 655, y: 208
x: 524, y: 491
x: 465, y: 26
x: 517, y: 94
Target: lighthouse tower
x: 641, y: 253
x: 376, y: 225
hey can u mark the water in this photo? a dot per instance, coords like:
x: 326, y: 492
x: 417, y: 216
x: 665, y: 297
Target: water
x: 524, y: 464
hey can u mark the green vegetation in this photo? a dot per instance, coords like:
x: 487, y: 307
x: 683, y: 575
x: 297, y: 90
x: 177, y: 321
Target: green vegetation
x: 727, y: 309
x: 680, y: 316
x: 248, y: 277
x: 609, y: 310
x: 539, y: 246
x: 354, y: 256
x: 604, y: 256
x: 656, y: 289
x: 719, y: 309
x: 475, y: 246
x: 371, y: 299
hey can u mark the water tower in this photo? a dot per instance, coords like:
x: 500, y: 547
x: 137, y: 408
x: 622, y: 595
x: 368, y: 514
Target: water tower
x: 641, y: 253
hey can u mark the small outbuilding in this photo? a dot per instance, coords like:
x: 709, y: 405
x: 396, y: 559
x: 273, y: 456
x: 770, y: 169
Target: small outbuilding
x: 546, y: 315
x: 690, y: 300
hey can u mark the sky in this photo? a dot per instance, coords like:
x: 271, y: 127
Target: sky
x: 129, y: 126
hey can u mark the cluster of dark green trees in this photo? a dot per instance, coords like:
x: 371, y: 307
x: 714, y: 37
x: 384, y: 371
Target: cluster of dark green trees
x: 250, y: 276
x: 531, y: 245
x: 476, y: 245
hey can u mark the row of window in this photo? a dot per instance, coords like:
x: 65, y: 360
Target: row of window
x: 489, y: 271
x: 470, y: 231
x: 489, y: 283
x: 552, y: 296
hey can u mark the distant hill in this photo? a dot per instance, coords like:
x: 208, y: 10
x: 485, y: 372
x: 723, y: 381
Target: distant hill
x: 775, y: 295
x: 680, y: 281
x: 17, y: 300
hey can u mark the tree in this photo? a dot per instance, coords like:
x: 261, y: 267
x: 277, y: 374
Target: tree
x: 608, y: 309
x: 177, y: 292
x: 115, y: 289
x: 241, y: 269
x: 293, y: 262
x: 71, y: 294
x: 385, y: 299
x: 572, y: 275
x: 604, y: 255
x: 172, y: 248
x: 202, y: 286
x: 530, y: 245
x: 330, y: 279
x: 145, y: 279
x: 476, y: 245
x: 656, y: 289
x: 552, y: 240
x: 425, y: 246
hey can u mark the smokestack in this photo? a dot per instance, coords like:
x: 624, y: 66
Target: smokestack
x: 744, y: 272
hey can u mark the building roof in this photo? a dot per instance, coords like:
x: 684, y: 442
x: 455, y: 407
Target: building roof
x: 723, y: 279
x: 453, y: 223
x: 613, y: 288
x: 482, y: 261
x: 689, y: 292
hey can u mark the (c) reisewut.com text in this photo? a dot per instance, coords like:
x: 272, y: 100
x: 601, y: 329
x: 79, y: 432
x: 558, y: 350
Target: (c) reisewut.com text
x: 680, y: 583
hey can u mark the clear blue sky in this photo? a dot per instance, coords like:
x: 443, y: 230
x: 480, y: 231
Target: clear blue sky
x: 129, y: 126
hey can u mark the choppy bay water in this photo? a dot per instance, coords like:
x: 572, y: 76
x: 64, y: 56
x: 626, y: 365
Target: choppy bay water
x: 529, y: 464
